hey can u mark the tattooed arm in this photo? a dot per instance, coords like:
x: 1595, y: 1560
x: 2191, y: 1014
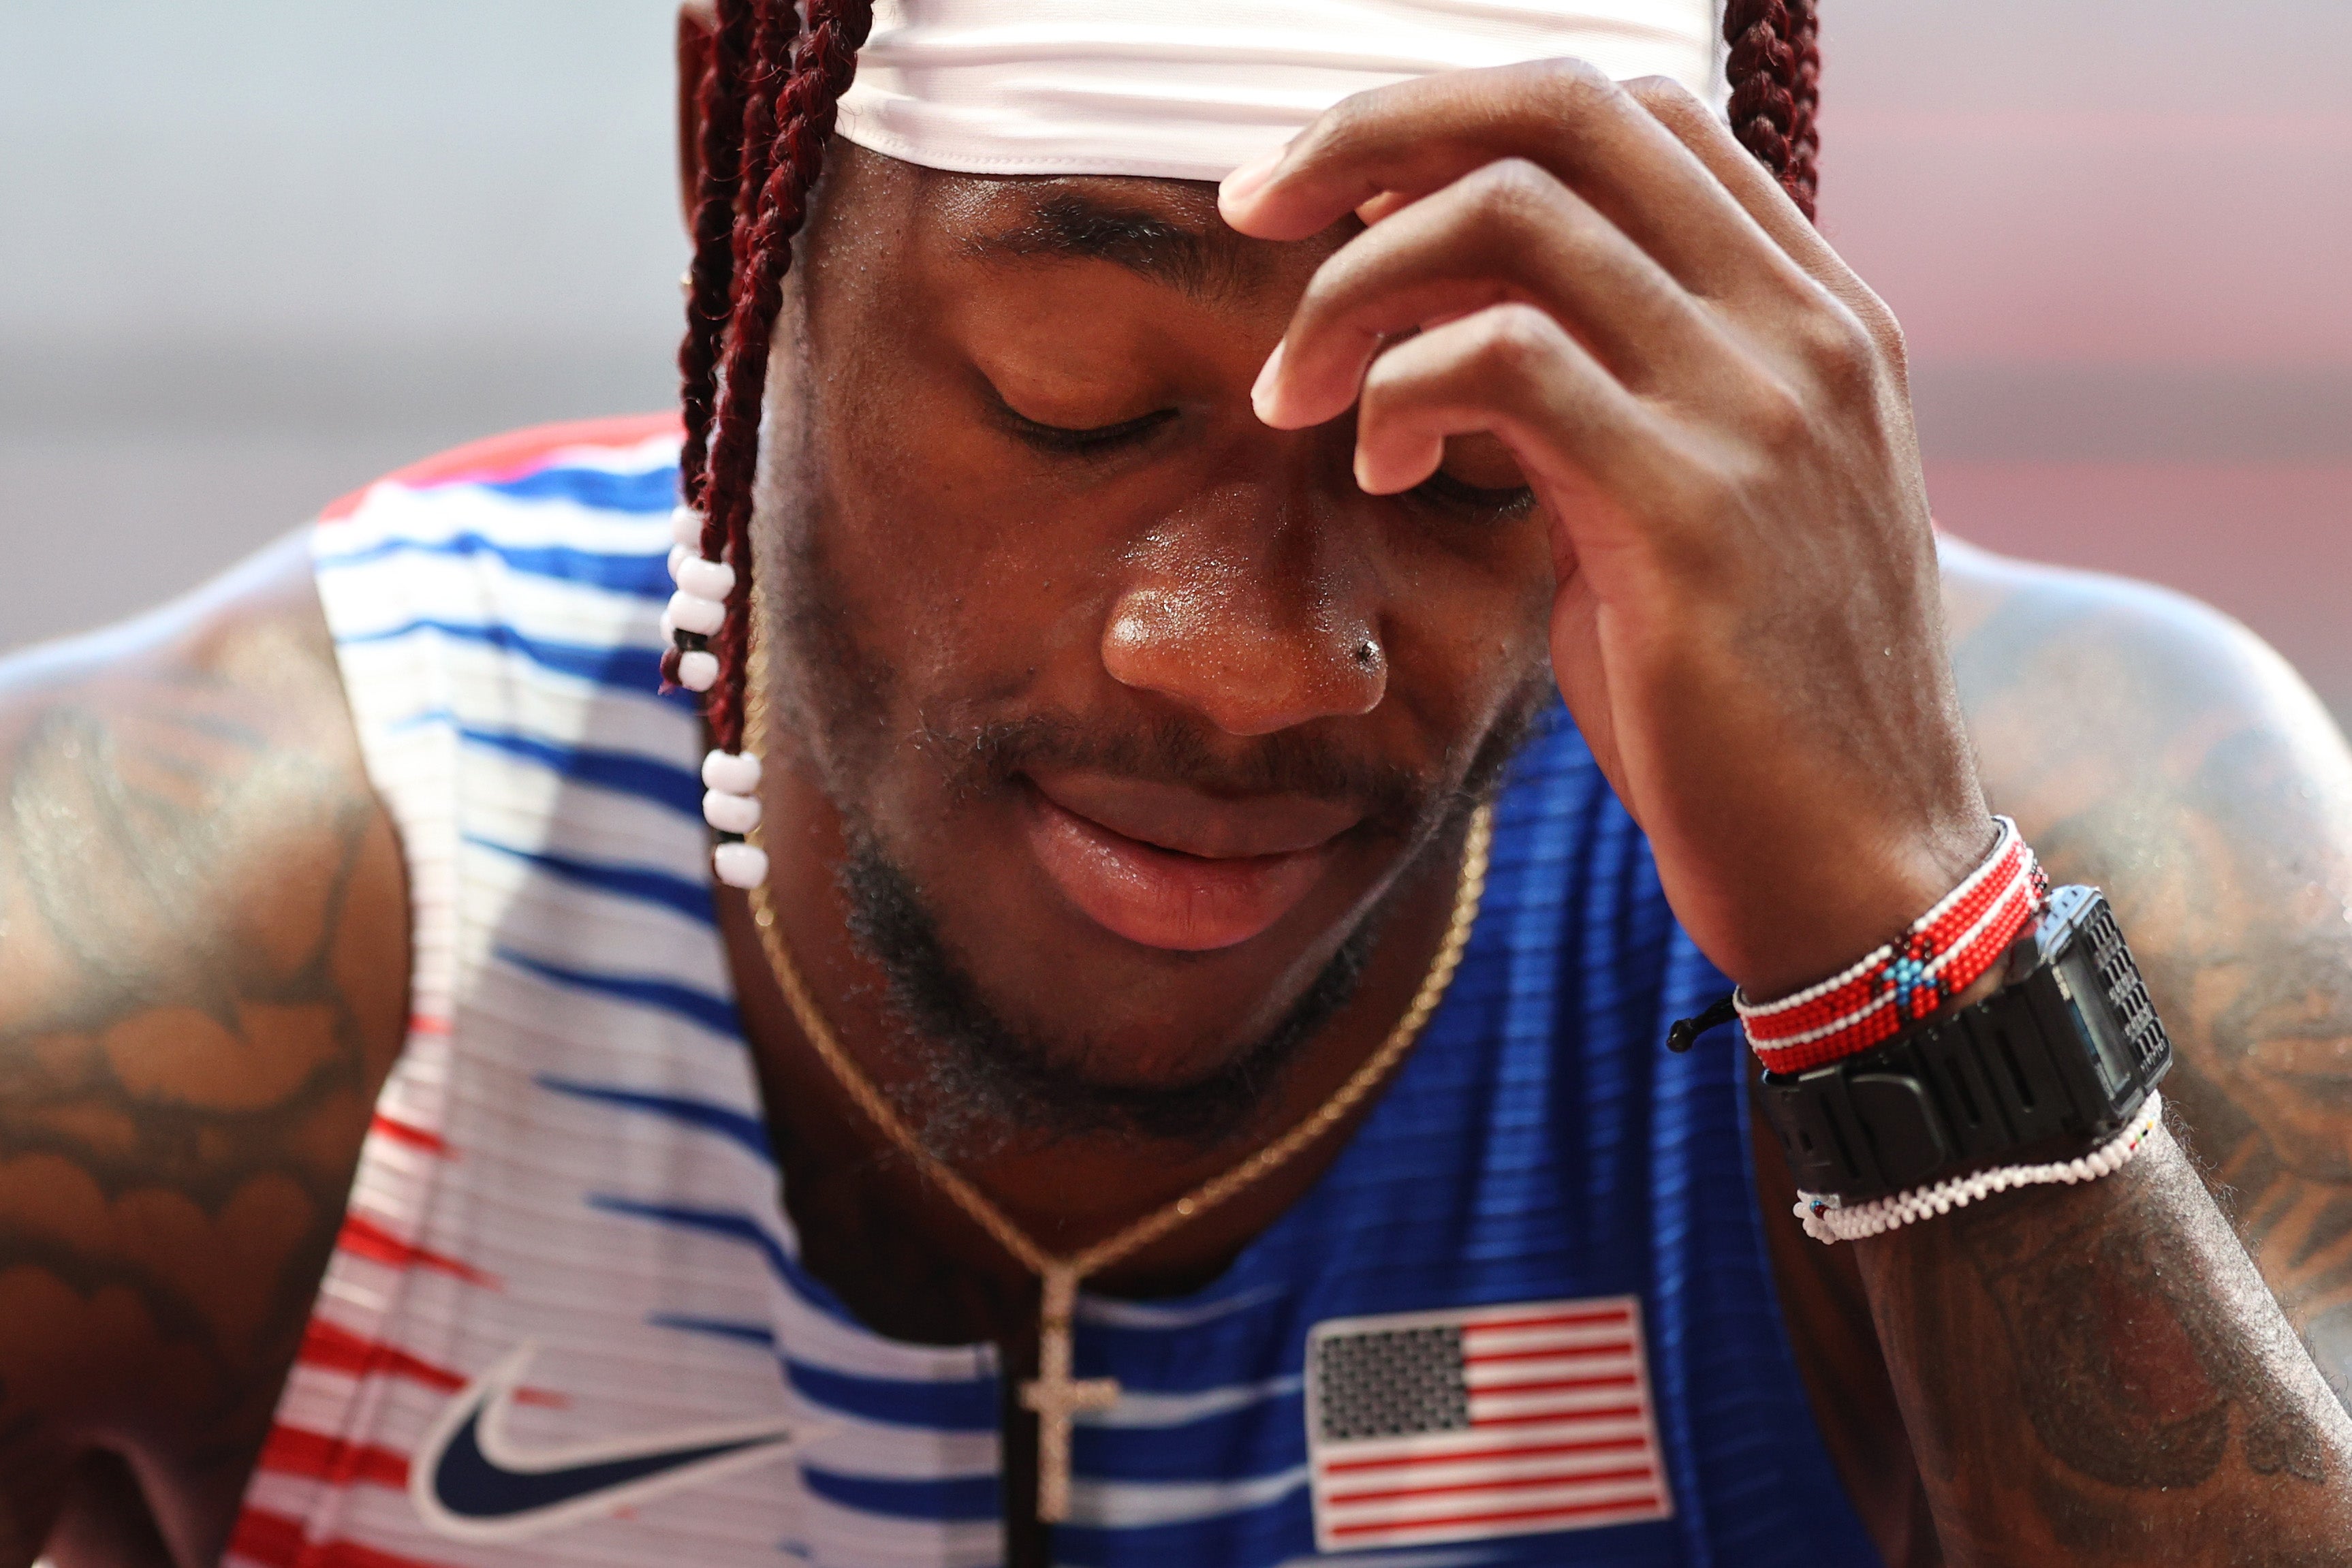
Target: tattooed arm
x: 203, y: 981
x: 2095, y: 1373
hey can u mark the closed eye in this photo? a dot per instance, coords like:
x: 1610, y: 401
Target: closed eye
x: 1096, y: 440
x: 1445, y: 490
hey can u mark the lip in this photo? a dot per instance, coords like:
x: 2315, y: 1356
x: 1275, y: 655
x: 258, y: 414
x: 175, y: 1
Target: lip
x: 1170, y: 867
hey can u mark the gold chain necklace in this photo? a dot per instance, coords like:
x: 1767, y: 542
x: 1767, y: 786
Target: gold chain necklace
x: 1054, y: 1394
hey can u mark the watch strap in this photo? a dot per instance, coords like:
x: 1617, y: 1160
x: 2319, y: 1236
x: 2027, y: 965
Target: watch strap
x: 2050, y: 1067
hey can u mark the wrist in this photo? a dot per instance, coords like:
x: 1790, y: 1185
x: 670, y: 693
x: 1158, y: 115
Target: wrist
x: 1940, y: 957
x: 2050, y: 1078
x: 1839, y: 906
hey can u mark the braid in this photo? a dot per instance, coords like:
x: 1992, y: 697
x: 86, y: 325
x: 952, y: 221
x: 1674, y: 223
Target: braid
x: 823, y: 60
x: 769, y: 102
x: 1804, y: 127
x: 1775, y: 69
x: 772, y: 41
x: 710, y: 279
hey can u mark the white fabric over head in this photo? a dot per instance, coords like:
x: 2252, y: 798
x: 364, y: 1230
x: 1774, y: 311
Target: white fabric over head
x: 1195, y: 89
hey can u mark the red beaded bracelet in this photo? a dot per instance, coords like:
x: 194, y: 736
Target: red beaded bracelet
x: 1945, y: 952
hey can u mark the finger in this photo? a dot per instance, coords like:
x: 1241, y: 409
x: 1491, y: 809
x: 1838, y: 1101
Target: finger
x: 1691, y: 121
x: 1414, y: 137
x: 1759, y: 192
x: 1512, y: 371
x: 1506, y: 231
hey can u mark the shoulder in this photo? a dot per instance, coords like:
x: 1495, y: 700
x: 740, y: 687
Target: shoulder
x: 2151, y: 746
x: 205, y: 933
x: 2149, y: 743
x: 2053, y: 662
x: 203, y: 979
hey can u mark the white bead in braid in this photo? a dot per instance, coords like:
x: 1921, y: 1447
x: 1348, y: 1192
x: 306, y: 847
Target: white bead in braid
x: 729, y: 813
x: 730, y: 799
x: 743, y: 866
x: 736, y: 772
x: 730, y: 803
x: 699, y: 605
x: 1826, y: 1220
x: 690, y: 614
x: 709, y: 581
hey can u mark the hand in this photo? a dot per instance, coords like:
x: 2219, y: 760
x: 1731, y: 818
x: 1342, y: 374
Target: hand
x: 1712, y: 412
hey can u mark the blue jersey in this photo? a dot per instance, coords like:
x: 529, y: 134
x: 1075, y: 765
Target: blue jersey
x: 1525, y: 1316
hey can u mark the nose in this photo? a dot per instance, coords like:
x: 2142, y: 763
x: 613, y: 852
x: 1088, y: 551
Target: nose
x: 1256, y: 629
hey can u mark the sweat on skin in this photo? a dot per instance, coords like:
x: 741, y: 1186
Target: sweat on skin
x: 1072, y: 593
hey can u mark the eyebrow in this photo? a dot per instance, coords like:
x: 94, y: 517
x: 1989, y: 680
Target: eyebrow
x: 1071, y: 226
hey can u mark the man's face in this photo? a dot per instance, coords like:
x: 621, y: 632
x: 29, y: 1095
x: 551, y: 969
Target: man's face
x: 1136, y: 709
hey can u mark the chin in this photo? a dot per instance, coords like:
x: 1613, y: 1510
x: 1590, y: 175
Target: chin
x: 1150, y: 1042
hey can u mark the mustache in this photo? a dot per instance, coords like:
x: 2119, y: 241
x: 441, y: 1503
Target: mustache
x: 988, y: 1084
x: 1181, y: 752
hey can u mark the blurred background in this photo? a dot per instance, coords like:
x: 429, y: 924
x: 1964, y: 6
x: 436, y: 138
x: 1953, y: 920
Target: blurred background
x: 253, y: 253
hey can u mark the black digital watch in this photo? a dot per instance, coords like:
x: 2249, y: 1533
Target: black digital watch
x: 2046, y: 1068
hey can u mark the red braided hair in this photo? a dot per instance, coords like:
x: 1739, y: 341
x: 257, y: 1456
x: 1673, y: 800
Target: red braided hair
x: 780, y: 84
x: 769, y: 101
x: 1804, y: 127
x: 710, y: 279
x: 1775, y: 70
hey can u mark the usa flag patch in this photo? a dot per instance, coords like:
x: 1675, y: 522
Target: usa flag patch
x: 1465, y: 1426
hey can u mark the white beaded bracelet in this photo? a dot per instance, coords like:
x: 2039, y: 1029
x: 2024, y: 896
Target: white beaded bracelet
x: 1827, y: 1220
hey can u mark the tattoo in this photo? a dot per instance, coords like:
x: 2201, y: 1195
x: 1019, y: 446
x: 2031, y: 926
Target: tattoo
x: 2217, y: 811
x: 2083, y: 1371
x: 203, y: 981
x: 2126, y: 1377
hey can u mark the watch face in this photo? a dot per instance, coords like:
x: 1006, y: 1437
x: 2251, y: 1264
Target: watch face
x: 2138, y: 1039
x: 2127, y: 992
x: 2079, y: 979
x: 2112, y: 1012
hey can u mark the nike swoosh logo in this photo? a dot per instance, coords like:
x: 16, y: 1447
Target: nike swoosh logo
x: 470, y: 1481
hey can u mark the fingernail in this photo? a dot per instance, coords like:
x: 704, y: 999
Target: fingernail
x: 1262, y: 389
x: 1244, y: 182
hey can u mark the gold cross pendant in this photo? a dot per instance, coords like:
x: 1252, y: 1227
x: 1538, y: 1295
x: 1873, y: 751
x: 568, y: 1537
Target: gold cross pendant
x: 1057, y: 1396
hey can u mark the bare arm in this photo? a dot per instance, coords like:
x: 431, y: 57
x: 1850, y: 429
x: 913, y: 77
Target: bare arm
x: 1711, y: 412
x: 2094, y: 1372
x: 2097, y: 1375
x: 202, y: 980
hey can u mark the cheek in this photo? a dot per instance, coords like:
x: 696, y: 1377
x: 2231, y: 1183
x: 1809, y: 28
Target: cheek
x: 1469, y: 621
x: 960, y: 578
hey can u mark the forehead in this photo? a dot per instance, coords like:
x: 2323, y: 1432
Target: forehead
x: 1165, y: 231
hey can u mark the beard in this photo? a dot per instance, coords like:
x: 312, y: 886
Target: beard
x: 983, y: 1081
